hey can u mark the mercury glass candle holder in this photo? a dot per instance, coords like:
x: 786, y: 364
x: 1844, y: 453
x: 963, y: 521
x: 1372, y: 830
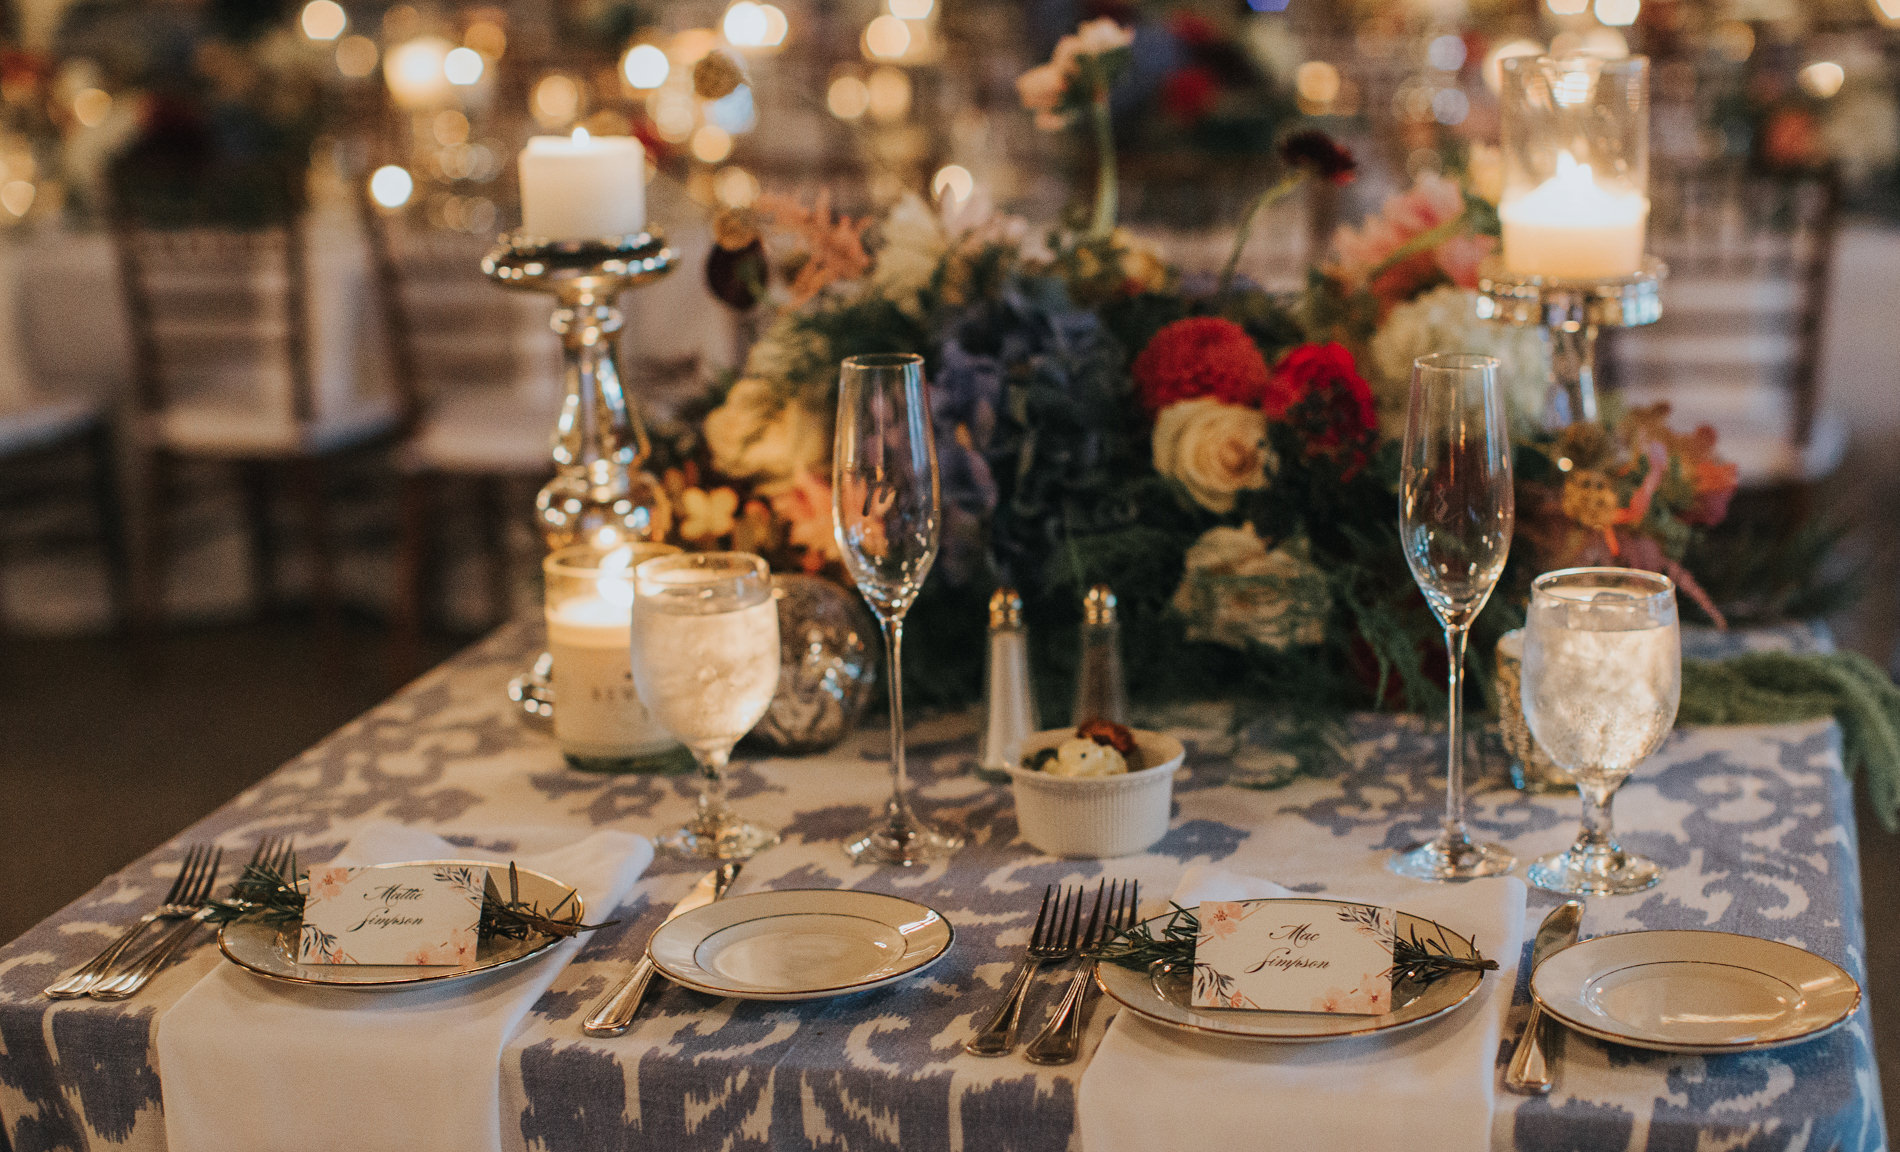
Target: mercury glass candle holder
x: 601, y: 494
x: 1574, y: 213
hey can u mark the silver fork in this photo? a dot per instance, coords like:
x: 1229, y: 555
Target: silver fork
x: 1055, y: 938
x: 1062, y: 1036
x: 271, y: 852
x: 173, y: 907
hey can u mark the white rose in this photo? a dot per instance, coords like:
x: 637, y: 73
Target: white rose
x: 1214, y: 450
x: 914, y: 244
x: 756, y: 434
x: 1446, y: 320
x: 1235, y: 590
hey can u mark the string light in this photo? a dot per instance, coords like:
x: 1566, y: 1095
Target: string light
x: 848, y: 98
x: 745, y: 25
x: 645, y: 66
x: 953, y: 185
x: 356, y: 56
x: 463, y: 66
x: 390, y: 186
x: 324, y: 19
x: 887, y: 37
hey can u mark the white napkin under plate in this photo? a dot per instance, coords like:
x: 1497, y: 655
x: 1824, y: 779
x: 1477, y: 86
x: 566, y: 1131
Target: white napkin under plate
x: 249, y: 1065
x: 1425, y: 1089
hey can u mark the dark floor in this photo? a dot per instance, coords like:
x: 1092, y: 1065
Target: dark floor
x: 107, y: 749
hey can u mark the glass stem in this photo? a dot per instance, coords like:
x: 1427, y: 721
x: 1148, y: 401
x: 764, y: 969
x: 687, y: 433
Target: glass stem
x: 1596, y: 835
x: 894, y: 652
x: 712, y: 788
x: 1455, y: 753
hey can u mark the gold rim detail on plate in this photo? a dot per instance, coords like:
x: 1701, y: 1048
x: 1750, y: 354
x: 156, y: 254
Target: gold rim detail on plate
x: 1580, y: 985
x: 260, y: 948
x: 1141, y: 994
x: 676, y: 948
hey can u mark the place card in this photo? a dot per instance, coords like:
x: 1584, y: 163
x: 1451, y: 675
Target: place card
x: 1294, y: 956
x: 413, y: 914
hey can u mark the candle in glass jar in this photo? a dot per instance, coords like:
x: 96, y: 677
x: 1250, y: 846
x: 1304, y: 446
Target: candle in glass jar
x: 1572, y: 228
x: 582, y: 187
x: 597, y: 714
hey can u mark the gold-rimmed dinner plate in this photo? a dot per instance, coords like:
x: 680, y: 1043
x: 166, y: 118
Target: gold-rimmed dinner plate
x: 271, y: 951
x: 799, y: 944
x: 1695, y: 992
x: 1163, y: 998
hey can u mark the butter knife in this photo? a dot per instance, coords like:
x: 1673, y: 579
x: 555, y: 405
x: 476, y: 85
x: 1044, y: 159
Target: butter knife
x: 614, y: 1013
x: 1528, y: 1071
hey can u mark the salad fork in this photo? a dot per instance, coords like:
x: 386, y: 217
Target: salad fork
x: 1062, y: 1036
x: 1056, y: 937
x: 175, y: 906
x: 272, y: 852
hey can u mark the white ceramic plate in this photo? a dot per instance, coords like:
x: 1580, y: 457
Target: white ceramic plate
x: 799, y: 944
x: 1695, y: 992
x: 1164, y: 999
x: 271, y: 953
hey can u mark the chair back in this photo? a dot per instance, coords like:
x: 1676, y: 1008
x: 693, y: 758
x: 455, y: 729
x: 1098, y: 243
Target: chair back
x: 272, y: 322
x: 1750, y: 257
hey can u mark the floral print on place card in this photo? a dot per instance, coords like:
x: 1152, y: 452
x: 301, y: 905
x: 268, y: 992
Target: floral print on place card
x: 412, y: 914
x: 1294, y: 956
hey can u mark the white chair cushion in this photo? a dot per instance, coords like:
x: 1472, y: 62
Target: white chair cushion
x: 485, y: 431
x: 212, y: 428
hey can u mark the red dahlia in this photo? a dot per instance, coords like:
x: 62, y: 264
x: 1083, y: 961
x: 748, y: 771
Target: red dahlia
x: 1319, y: 386
x: 1201, y: 356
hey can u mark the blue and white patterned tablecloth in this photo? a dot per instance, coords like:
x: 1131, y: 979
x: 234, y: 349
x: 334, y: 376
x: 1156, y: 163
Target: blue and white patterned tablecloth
x: 1754, y: 824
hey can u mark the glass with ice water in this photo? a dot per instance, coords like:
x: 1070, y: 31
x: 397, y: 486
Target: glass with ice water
x: 1602, y: 678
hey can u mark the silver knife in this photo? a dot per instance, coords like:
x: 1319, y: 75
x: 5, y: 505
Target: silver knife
x: 1528, y: 1071
x: 614, y: 1014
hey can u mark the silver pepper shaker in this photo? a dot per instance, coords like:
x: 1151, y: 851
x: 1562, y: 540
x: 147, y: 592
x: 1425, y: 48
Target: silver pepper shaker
x: 1099, y: 693
x: 1007, y: 689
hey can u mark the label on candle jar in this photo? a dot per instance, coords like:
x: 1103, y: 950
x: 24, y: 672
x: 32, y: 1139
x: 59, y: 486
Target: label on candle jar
x: 1571, y: 228
x: 597, y: 713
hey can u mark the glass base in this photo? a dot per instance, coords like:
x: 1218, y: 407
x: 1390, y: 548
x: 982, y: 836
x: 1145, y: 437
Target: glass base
x: 902, y: 840
x: 1607, y: 871
x: 731, y: 839
x: 1452, y: 857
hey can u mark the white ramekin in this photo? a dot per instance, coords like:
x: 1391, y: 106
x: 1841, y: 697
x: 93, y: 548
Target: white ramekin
x: 1097, y: 816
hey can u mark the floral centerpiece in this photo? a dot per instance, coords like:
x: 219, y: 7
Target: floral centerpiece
x: 1224, y: 457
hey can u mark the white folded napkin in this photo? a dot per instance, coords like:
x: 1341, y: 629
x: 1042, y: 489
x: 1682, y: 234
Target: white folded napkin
x: 249, y: 1065
x: 1421, y: 1090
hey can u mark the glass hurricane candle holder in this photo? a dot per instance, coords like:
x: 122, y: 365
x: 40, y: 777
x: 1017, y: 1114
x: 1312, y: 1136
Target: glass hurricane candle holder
x: 1574, y: 212
x: 1575, y: 204
x: 598, y: 719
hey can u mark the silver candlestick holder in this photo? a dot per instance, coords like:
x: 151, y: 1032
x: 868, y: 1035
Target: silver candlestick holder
x: 601, y: 493
x: 1571, y: 313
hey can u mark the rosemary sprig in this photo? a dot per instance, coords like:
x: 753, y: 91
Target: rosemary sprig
x: 1415, y: 961
x: 274, y: 898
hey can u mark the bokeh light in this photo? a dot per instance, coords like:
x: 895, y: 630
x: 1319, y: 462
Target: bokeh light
x: 911, y: 9
x: 745, y: 25
x: 356, y: 56
x: 952, y: 185
x: 889, y: 92
x: 463, y: 66
x: 414, y: 73
x: 324, y: 19
x: 557, y: 100
x: 391, y: 186
x: 91, y: 106
x: 16, y: 196
x: 645, y: 66
x: 735, y: 187
x: 711, y: 143
x: 1823, y: 78
x: 887, y: 37
x: 848, y: 98
x: 1618, y: 13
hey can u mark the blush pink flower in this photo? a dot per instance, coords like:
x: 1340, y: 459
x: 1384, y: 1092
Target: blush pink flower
x: 1432, y: 202
x: 1220, y: 920
x: 804, y: 503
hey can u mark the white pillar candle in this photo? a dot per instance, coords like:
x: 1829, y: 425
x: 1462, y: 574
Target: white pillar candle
x: 597, y: 714
x: 582, y: 187
x: 1572, y: 228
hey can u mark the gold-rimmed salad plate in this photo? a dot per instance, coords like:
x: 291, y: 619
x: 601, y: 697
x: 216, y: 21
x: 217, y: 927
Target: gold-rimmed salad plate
x: 1163, y: 997
x: 1695, y: 992
x: 270, y: 950
x: 799, y: 944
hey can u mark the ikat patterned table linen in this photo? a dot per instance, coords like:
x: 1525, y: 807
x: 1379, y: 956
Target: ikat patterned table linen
x: 1755, y: 826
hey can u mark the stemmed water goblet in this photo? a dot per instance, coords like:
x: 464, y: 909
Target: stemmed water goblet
x: 1456, y: 512
x: 1602, y: 679
x: 887, y: 520
x: 705, y: 663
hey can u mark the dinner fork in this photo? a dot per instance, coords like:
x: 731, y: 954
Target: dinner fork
x: 175, y: 906
x: 1056, y: 937
x: 272, y: 852
x: 1062, y: 1036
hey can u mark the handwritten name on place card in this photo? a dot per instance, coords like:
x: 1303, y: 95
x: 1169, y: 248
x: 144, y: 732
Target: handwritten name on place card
x: 415, y: 914
x: 1294, y: 956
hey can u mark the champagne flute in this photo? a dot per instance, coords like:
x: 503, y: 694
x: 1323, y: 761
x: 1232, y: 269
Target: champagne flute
x: 1602, y: 678
x: 705, y: 663
x: 885, y: 515
x: 1456, y: 510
